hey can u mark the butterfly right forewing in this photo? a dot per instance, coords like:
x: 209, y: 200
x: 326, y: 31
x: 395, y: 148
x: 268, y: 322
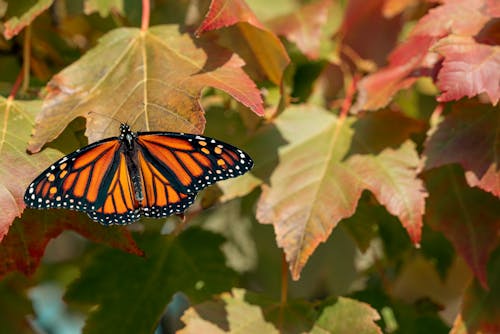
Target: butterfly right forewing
x: 77, y: 181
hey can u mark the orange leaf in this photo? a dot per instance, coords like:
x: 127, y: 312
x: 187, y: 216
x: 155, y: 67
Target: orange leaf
x: 17, y: 168
x: 151, y: 80
x: 325, y: 167
x: 247, y: 37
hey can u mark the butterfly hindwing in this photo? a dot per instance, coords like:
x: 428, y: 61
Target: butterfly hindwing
x: 120, y: 206
x: 161, y: 199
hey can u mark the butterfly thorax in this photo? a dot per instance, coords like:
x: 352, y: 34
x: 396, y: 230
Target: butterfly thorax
x: 127, y: 138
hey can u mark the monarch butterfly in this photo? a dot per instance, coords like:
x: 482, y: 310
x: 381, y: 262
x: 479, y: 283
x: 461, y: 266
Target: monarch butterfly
x: 118, y: 179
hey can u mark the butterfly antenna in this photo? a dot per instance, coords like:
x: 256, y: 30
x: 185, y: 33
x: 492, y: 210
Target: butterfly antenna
x: 104, y: 115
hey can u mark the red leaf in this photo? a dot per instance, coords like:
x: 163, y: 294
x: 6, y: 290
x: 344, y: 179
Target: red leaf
x: 480, y: 311
x: 376, y: 90
x: 325, y: 167
x: 303, y: 26
x: 469, y: 217
x: 247, y: 38
x: 460, y: 17
x: 17, y: 168
x: 366, y: 31
x: 468, y: 136
x: 224, y: 13
x: 469, y: 69
x: 24, y: 246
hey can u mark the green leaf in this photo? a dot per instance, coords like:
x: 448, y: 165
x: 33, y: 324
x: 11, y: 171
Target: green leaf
x: 151, y: 80
x: 16, y: 307
x: 325, y: 167
x: 22, y: 13
x: 17, y: 168
x: 104, y: 7
x: 347, y: 316
x: 132, y: 292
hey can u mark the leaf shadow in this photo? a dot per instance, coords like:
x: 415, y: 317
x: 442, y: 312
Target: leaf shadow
x: 377, y: 131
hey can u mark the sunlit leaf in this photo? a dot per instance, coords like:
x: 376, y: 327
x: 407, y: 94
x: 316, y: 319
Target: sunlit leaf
x: 22, y: 13
x: 468, y: 136
x: 468, y: 217
x: 245, y: 312
x: 347, y: 316
x: 232, y: 314
x: 17, y: 168
x: 132, y: 292
x: 377, y: 89
x: 462, y: 17
x: 22, y: 249
x: 247, y: 37
x: 151, y: 80
x: 104, y: 7
x: 469, y: 69
x: 323, y: 170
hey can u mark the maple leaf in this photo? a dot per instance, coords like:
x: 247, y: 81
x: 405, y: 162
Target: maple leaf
x: 460, y: 17
x: 405, y: 62
x: 469, y: 69
x: 231, y: 314
x: 367, y: 32
x: 239, y: 310
x: 103, y: 7
x: 303, y: 26
x: 152, y: 80
x: 325, y: 167
x: 247, y: 38
x: 469, y: 136
x: 465, y: 61
x: 480, y: 311
x: 469, y: 217
x: 22, y: 249
x: 347, y: 315
x: 22, y: 13
x: 17, y: 168
x: 191, y: 262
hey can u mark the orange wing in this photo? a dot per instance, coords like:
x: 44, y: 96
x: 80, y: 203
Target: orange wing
x: 191, y: 162
x: 78, y: 181
x: 120, y: 206
x: 160, y: 198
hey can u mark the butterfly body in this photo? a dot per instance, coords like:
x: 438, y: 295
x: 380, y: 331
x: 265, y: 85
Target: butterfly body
x: 155, y: 174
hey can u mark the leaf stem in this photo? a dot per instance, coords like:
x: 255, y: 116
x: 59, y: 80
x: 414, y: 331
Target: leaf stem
x: 347, y: 103
x: 145, y: 15
x: 17, y: 83
x: 284, y: 288
x: 26, y: 59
